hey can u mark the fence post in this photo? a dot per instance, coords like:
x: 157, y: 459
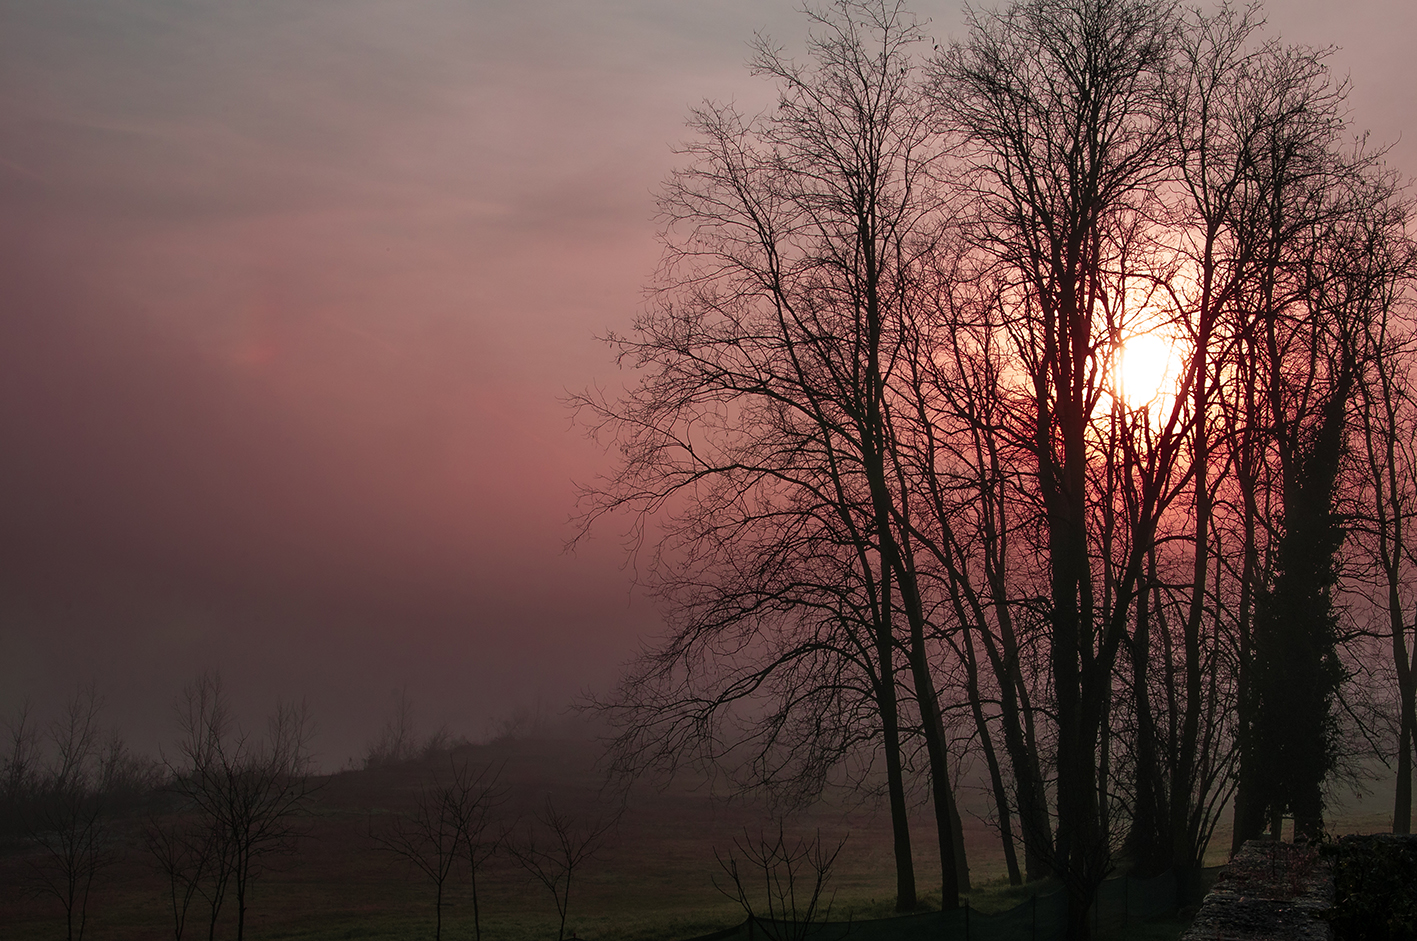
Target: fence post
x: 966, y: 920
x: 1126, y: 898
x: 1035, y: 915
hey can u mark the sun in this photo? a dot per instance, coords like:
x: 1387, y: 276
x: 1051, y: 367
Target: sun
x: 1148, y: 367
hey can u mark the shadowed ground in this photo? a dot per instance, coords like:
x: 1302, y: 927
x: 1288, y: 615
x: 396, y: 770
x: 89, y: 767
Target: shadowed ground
x: 652, y: 881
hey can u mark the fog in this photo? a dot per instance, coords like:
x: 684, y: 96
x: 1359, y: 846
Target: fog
x: 292, y: 297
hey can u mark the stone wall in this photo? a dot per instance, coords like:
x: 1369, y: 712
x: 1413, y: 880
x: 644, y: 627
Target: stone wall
x: 1270, y: 890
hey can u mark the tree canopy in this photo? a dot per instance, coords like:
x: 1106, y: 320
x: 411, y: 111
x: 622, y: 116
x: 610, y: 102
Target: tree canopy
x: 904, y: 496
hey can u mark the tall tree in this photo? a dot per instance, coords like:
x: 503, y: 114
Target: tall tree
x: 1389, y: 436
x: 1061, y: 104
x: 1306, y: 313
x: 762, y: 413
x: 884, y: 413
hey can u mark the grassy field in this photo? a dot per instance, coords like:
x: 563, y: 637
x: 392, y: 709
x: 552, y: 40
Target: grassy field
x: 653, y: 880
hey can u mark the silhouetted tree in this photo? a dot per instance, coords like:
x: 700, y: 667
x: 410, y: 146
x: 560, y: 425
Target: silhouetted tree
x: 554, y: 848
x: 398, y: 739
x: 793, y: 878
x: 763, y: 417
x: 429, y: 837
x: 189, y: 853
x: 1389, y: 437
x: 472, y: 797
x: 250, y: 791
x: 68, y: 819
x: 21, y: 769
x: 1316, y: 294
x: 1061, y: 103
x: 882, y: 417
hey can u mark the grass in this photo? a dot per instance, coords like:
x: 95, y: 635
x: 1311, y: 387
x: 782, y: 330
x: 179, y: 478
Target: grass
x: 654, y: 882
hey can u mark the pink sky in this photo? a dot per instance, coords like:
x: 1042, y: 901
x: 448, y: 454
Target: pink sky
x: 291, y: 293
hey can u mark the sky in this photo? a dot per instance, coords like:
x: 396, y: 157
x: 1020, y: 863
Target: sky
x: 291, y: 297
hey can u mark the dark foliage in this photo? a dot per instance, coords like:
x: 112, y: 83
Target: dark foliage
x: 1375, y: 883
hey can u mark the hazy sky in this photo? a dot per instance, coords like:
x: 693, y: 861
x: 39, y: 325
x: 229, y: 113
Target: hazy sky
x: 290, y: 291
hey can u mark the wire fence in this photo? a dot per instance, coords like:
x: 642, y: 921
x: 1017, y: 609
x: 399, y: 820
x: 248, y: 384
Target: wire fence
x: 1121, y: 901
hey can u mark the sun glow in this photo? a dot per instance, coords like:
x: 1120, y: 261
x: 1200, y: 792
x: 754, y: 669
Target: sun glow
x: 1148, y: 369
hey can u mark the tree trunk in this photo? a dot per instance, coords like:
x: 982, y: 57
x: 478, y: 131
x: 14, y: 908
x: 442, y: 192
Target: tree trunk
x: 1145, y: 842
x: 934, y: 731
x: 1402, y: 798
x: 991, y: 760
x: 1184, y: 784
x: 905, y: 899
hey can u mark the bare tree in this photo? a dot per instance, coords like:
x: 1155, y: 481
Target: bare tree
x: 190, y: 854
x: 883, y: 418
x: 196, y: 851
x: 20, y: 773
x: 1061, y: 103
x: 763, y: 417
x: 958, y: 504
x: 451, y: 821
x: 793, y: 880
x: 398, y: 739
x: 473, y: 796
x: 554, y: 848
x: 250, y: 790
x: 1321, y: 213
x: 430, y: 836
x: 68, y: 821
x: 1387, y: 261
x: 1213, y: 113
